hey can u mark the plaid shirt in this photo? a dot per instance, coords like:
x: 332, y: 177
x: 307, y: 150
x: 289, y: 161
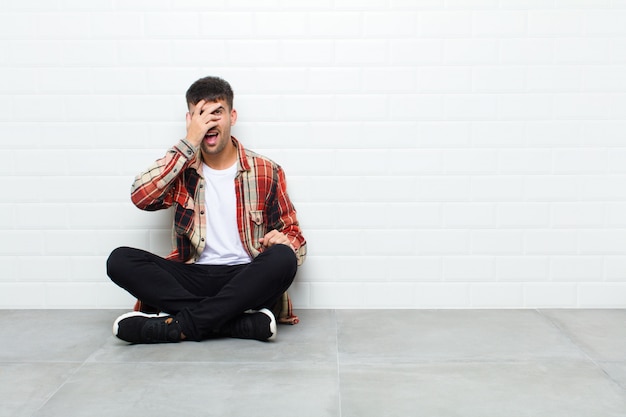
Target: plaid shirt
x: 260, y: 187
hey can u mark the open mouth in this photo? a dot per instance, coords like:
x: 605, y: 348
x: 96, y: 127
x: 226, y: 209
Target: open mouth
x: 211, y: 138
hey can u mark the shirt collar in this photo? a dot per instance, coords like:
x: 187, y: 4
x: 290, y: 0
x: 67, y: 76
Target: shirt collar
x: 242, y: 159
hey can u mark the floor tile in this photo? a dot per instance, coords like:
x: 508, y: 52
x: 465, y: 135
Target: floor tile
x: 600, y: 333
x: 616, y: 370
x: 380, y: 336
x: 186, y: 389
x: 53, y: 335
x: 26, y: 386
x: 521, y: 389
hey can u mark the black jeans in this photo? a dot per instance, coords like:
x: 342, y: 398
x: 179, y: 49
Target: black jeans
x: 203, y: 297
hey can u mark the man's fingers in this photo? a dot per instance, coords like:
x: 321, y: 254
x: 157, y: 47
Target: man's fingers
x: 198, y: 107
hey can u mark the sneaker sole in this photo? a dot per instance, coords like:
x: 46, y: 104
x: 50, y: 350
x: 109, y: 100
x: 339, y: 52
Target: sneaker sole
x: 116, y: 323
x: 273, y: 328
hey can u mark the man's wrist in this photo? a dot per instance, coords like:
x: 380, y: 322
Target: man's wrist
x: 187, y: 148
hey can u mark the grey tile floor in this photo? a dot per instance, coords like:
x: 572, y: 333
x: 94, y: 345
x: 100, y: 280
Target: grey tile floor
x: 349, y: 363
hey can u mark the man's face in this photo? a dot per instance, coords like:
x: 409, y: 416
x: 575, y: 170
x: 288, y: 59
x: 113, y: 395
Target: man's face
x: 218, y: 136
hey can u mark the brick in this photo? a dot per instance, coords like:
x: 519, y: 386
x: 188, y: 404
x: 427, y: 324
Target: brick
x: 386, y: 80
x: 496, y: 295
x: 552, y: 188
x: 335, y: 80
x: 442, y: 24
x: 581, y: 51
x: 362, y: 216
x: 337, y: 295
x: 525, y: 107
x: 416, y: 51
x: 498, y: 80
x: 470, y: 107
x: 603, y: 241
x: 496, y: 188
x: 18, y: 25
x: 365, y: 52
x: 602, y: 188
x: 468, y: 269
x: 413, y: 216
x: 448, y: 188
x: 523, y: 215
x: 601, y: 295
x: 198, y: 52
x: 551, y: 242
x: 398, y: 295
x: 469, y: 215
x: 550, y: 295
x: 615, y: 267
x: 605, y: 23
x: 371, y: 107
x: 499, y: 24
x: 411, y: 161
x: 44, y: 269
x: 555, y: 23
x: 499, y: 135
x: 470, y: 51
x: 543, y: 79
x: 360, y: 162
x: 522, y: 268
x: 41, y: 217
x: 553, y: 133
x: 67, y: 25
x: 525, y: 161
x: 116, y: 25
x: 442, y: 295
x: 500, y: 242
x: 26, y: 53
x: 444, y: 80
x: 442, y: 242
x: 22, y: 295
x: 312, y: 53
x: 527, y: 51
x: 417, y: 107
x: 615, y: 214
x: 580, y: 161
x: 387, y: 242
x: 144, y: 53
x: 470, y: 161
x: 280, y: 25
x: 576, y: 268
x: 442, y: 134
x: 389, y: 24
x: 334, y: 25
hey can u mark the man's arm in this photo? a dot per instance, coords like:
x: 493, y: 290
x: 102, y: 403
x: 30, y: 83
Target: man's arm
x: 286, y: 228
x: 153, y: 189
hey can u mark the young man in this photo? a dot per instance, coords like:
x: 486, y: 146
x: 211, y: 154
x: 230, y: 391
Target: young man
x: 237, y: 242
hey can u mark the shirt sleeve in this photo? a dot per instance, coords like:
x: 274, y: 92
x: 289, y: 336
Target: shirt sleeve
x: 154, y: 188
x: 287, y: 221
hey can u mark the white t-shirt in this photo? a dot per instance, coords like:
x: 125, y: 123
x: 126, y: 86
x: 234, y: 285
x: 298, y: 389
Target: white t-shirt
x: 223, y: 245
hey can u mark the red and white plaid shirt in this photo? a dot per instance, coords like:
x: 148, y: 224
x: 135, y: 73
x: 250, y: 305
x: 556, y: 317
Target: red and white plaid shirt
x: 262, y: 201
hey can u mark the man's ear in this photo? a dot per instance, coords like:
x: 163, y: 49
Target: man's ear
x: 233, y: 117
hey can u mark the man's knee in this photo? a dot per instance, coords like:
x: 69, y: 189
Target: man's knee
x: 117, y: 261
x: 284, y: 258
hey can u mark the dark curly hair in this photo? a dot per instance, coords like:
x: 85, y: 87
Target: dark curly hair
x: 210, y: 89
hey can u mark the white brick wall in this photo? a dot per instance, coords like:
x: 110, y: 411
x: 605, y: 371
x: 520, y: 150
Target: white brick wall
x: 441, y: 153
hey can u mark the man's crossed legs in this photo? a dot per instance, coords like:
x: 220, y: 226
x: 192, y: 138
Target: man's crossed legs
x: 201, y: 301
